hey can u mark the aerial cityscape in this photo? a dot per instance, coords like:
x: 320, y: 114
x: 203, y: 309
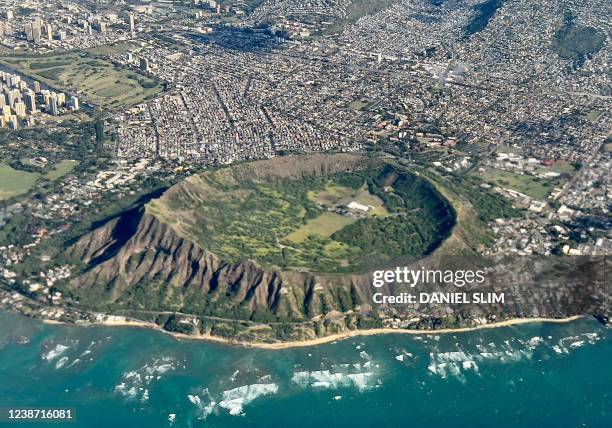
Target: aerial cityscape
x: 237, y: 171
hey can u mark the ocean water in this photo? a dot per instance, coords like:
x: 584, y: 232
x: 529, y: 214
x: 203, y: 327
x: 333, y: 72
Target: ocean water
x: 536, y: 375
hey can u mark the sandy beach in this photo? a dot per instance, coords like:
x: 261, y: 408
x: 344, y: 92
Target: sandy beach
x: 117, y: 322
x: 371, y: 332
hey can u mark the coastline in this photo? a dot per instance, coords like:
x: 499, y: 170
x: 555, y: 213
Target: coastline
x: 319, y: 340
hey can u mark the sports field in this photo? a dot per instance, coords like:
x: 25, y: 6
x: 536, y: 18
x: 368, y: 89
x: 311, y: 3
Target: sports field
x: 62, y: 168
x: 526, y: 184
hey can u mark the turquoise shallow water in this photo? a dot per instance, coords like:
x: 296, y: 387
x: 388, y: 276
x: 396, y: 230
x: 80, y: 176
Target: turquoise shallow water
x: 537, y: 375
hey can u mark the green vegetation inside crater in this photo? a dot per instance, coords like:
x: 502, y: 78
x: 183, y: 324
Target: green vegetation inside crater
x: 341, y: 222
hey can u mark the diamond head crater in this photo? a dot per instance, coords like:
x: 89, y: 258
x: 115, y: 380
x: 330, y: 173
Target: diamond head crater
x: 283, y: 250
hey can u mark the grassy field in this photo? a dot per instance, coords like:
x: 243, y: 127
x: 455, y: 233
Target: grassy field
x: 563, y: 167
x: 505, y: 148
x: 324, y: 225
x: 331, y: 195
x: 101, y: 82
x: 523, y: 183
x: 594, y: 115
x: 358, y: 105
x: 64, y: 167
x: 14, y: 182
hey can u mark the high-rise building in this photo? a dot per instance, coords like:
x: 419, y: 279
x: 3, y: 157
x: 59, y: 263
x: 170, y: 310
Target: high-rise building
x: 14, y: 80
x: 12, y: 97
x: 9, y: 15
x: 33, y: 31
x: 46, y: 96
x: 20, y: 109
x: 30, y: 102
x: 49, y: 32
x: 144, y: 64
x: 36, y: 87
x: 28, y: 31
x: 132, y: 23
x: 74, y: 103
x: 6, y: 113
x: 54, y: 107
x: 37, y: 30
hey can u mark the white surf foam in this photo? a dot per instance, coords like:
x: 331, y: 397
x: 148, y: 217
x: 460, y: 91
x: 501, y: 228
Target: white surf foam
x: 55, y: 352
x: 233, y: 400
